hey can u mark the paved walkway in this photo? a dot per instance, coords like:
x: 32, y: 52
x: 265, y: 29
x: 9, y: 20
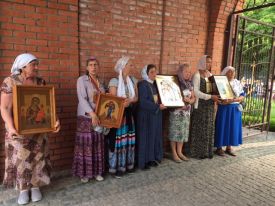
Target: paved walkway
x: 248, y: 179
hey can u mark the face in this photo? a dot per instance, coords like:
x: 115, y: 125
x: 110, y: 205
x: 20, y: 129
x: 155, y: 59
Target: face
x: 92, y: 67
x: 230, y: 74
x: 186, y: 73
x: 208, y: 64
x: 128, y: 67
x: 152, y: 74
x: 31, y: 70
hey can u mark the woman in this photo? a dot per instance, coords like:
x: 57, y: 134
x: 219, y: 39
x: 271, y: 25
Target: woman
x: 229, y: 117
x: 27, y: 164
x: 122, y: 140
x: 89, y: 142
x: 149, y: 121
x: 179, y: 119
x: 202, y: 120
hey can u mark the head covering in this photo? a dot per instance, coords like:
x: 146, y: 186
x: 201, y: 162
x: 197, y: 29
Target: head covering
x: 185, y: 84
x: 121, y: 63
x: 144, y: 74
x: 235, y: 84
x: 202, y: 63
x: 21, y: 61
x: 91, y: 58
x: 226, y: 69
x: 121, y: 92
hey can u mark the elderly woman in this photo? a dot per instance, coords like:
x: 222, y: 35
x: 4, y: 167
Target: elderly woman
x: 179, y: 119
x: 202, y: 119
x: 122, y: 140
x: 89, y: 141
x: 229, y: 117
x: 27, y: 164
x: 149, y: 124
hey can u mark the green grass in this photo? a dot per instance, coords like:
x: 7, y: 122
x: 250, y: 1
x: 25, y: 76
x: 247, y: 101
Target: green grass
x: 272, y: 117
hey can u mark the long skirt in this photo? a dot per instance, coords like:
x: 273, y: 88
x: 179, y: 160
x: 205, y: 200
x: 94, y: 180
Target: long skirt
x: 27, y: 162
x: 122, y: 145
x: 228, y: 126
x: 202, y: 130
x: 88, y: 151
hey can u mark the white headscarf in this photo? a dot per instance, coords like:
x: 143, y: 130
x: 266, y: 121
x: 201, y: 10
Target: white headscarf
x: 202, y: 63
x: 235, y: 84
x: 120, y: 65
x: 226, y: 69
x: 21, y: 61
x: 144, y: 74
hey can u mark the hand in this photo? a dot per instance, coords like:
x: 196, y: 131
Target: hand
x: 127, y: 102
x: 57, y: 126
x: 95, y: 120
x: 13, y: 132
x: 215, y: 98
x: 162, y: 107
x: 187, y: 99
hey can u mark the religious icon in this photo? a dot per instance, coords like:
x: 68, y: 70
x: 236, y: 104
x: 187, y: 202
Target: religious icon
x: 109, y: 109
x: 169, y: 90
x: 34, y: 109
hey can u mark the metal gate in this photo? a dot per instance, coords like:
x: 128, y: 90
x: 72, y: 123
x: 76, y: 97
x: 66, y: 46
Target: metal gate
x: 251, y: 52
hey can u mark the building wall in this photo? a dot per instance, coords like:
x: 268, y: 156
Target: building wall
x: 64, y: 33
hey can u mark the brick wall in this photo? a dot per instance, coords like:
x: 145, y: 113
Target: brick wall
x: 49, y: 30
x: 64, y: 34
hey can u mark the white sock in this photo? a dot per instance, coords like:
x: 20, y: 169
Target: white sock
x: 24, y: 197
x: 36, y: 194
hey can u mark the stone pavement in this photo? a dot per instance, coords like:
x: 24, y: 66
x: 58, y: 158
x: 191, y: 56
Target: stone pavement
x: 248, y: 179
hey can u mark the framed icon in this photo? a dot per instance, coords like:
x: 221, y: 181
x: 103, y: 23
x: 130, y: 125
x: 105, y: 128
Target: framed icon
x: 110, y: 109
x: 222, y: 87
x: 34, y: 109
x: 169, y: 91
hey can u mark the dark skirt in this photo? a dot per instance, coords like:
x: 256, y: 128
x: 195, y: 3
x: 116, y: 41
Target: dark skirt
x: 228, y: 126
x: 89, y: 150
x: 202, y: 129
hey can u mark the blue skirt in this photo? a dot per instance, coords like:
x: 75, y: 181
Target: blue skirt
x: 228, y: 130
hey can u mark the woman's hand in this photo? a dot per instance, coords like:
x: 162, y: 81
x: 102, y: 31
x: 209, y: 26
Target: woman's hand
x: 215, y: 98
x: 95, y: 120
x: 187, y: 100
x: 13, y: 132
x: 127, y: 102
x: 57, y: 126
x: 162, y: 107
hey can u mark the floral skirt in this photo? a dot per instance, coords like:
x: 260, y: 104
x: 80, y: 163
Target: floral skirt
x: 27, y: 162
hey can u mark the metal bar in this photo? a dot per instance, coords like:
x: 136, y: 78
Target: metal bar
x: 162, y: 35
x: 241, y: 50
x: 254, y: 8
x: 257, y: 125
x: 258, y: 22
x: 229, y: 45
x: 235, y: 37
x: 272, y: 65
x: 251, y: 32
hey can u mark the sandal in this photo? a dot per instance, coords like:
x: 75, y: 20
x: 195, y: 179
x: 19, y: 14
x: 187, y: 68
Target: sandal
x: 220, y: 152
x: 229, y: 152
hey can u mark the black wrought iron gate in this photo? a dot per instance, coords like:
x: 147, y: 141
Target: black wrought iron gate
x: 251, y: 52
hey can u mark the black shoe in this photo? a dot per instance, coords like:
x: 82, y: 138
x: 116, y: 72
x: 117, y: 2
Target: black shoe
x: 146, y: 167
x: 153, y: 164
x: 118, y: 174
x: 203, y: 157
x: 131, y: 171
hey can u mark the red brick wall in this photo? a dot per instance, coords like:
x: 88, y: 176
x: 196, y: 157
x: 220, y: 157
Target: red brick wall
x: 219, y: 12
x: 165, y: 33
x: 49, y: 30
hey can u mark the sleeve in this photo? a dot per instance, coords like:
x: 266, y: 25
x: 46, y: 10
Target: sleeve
x: 83, y: 97
x: 113, y: 82
x: 7, y: 85
x: 144, y: 102
x: 242, y: 93
x: 198, y: 93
